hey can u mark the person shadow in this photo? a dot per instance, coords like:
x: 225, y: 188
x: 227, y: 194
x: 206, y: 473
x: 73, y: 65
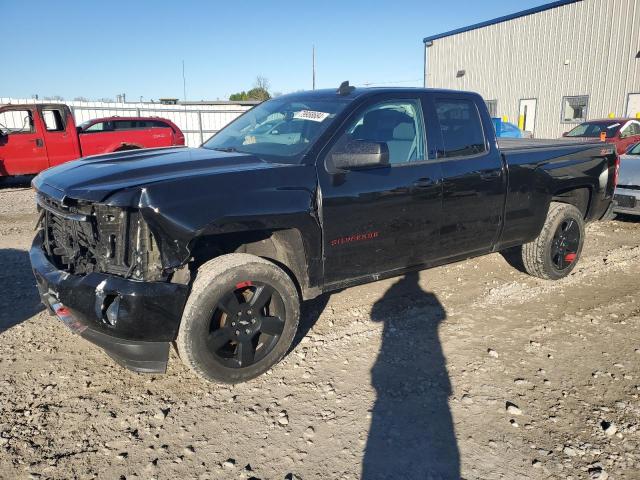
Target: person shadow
x: 412, y: 434
x: 19, y: 299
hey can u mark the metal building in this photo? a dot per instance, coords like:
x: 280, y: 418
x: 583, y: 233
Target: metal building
x: 547, y: 68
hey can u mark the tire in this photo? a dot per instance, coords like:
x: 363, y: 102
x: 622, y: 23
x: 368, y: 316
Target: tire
x: 554, y: 254
x: 220, y: 326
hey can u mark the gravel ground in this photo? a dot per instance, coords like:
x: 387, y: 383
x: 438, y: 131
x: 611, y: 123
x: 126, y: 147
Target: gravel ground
x: 472, y: 370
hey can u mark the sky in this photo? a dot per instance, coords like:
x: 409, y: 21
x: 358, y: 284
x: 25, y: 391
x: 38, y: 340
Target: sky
x: 100, y: 49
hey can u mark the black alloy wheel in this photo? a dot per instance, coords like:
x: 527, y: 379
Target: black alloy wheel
x: 246, y: 324
x: 565, y: 244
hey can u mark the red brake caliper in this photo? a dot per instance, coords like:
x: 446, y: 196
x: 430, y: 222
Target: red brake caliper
x: 570, y: 257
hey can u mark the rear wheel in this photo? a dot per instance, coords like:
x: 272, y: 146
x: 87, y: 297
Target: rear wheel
x: 554, y: 254
x: 240, y: 318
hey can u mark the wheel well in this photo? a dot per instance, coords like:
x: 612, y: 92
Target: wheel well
x: 127, y: 146
x: 579, y: 197
x: 282, y: 247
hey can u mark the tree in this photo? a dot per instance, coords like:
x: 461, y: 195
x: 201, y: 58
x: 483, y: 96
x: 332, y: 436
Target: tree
x: 259, y: 92
x: 262, y: 83
x: 238, y: 97
x: 55, y: 98
x: 80, y: 99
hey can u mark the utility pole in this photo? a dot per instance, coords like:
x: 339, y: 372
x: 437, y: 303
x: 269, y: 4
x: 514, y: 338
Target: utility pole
x: 184, y: 83
x: 313, y: 66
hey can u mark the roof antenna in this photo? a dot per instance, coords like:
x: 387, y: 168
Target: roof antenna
x: 345, y: 88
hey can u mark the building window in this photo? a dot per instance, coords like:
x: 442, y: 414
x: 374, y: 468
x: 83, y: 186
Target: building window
x: 492, y: 106
x: 574, y: 109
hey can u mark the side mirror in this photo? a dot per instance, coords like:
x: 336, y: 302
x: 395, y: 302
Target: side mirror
x: 565, y: 134
x: 360, y: 154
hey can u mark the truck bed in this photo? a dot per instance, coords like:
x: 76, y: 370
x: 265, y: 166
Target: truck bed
x: 510, y: 144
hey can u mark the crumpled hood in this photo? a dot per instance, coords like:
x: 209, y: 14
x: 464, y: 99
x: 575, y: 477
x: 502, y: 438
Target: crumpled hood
x: 629, y: 170
x: 95, y: 178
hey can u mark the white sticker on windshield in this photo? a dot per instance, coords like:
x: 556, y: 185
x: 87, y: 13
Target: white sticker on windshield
x: 311, y: 115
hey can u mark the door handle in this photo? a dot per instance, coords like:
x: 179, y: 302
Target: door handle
x: 490, y: 175
x: 39, y: 142
x: 423, y: 183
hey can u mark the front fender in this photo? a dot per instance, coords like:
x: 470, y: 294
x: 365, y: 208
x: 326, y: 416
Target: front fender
x: 181, y: 211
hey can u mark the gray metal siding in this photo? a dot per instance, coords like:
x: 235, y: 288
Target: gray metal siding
x: 525, y: 58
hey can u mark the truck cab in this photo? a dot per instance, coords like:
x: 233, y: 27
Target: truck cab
x: 36, y: 137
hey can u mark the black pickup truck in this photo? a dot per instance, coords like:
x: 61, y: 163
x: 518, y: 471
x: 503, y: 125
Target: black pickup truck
x: 214, y: 248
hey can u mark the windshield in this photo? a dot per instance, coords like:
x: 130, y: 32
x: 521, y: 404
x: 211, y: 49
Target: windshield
x: 635, y: 150
x: 594, y: 129
x: 279, y: 130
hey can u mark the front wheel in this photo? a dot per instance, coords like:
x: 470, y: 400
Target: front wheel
x: 554, y: 254
x: 240, y: 318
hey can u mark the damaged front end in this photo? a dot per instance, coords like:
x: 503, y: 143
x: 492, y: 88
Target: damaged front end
x: 83, y: 237
x: 98, y: 268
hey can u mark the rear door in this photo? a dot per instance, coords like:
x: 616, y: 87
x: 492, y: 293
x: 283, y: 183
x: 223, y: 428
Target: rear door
x: 22, y: 148
x: 156, y: 133
x: 62, y: 144
x: 143, y: 133
x: 386, y: 218
x: 473, y: 177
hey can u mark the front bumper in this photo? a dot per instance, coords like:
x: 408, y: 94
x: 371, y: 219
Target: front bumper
x: 143, y: 319
x: 623, y: 201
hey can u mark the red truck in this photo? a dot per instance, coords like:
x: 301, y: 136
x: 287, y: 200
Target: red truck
x: 38, y: 136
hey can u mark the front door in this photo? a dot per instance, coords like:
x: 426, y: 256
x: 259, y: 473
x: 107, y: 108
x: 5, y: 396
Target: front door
x: 527, y: 115
x: 22, y: 148
x: 62, y: 144
x: 381, y: 219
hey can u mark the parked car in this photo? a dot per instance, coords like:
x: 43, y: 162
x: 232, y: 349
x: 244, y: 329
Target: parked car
x: 38, y: 136
x: 627, y: 195
x: 214, y: 248
x: 509, y: 130
x: 622, y: 132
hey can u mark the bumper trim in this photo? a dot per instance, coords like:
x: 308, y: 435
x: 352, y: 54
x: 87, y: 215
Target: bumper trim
x: 142, y: 357
x: 147, y: 321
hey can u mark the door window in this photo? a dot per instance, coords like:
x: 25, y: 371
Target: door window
x: 16, y: 121
x: 461, y: 127
x: 99, y: 127
x: 124, y: 124
x: 632, y: 129
x: 398, y: 124
x: 53, y: 121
